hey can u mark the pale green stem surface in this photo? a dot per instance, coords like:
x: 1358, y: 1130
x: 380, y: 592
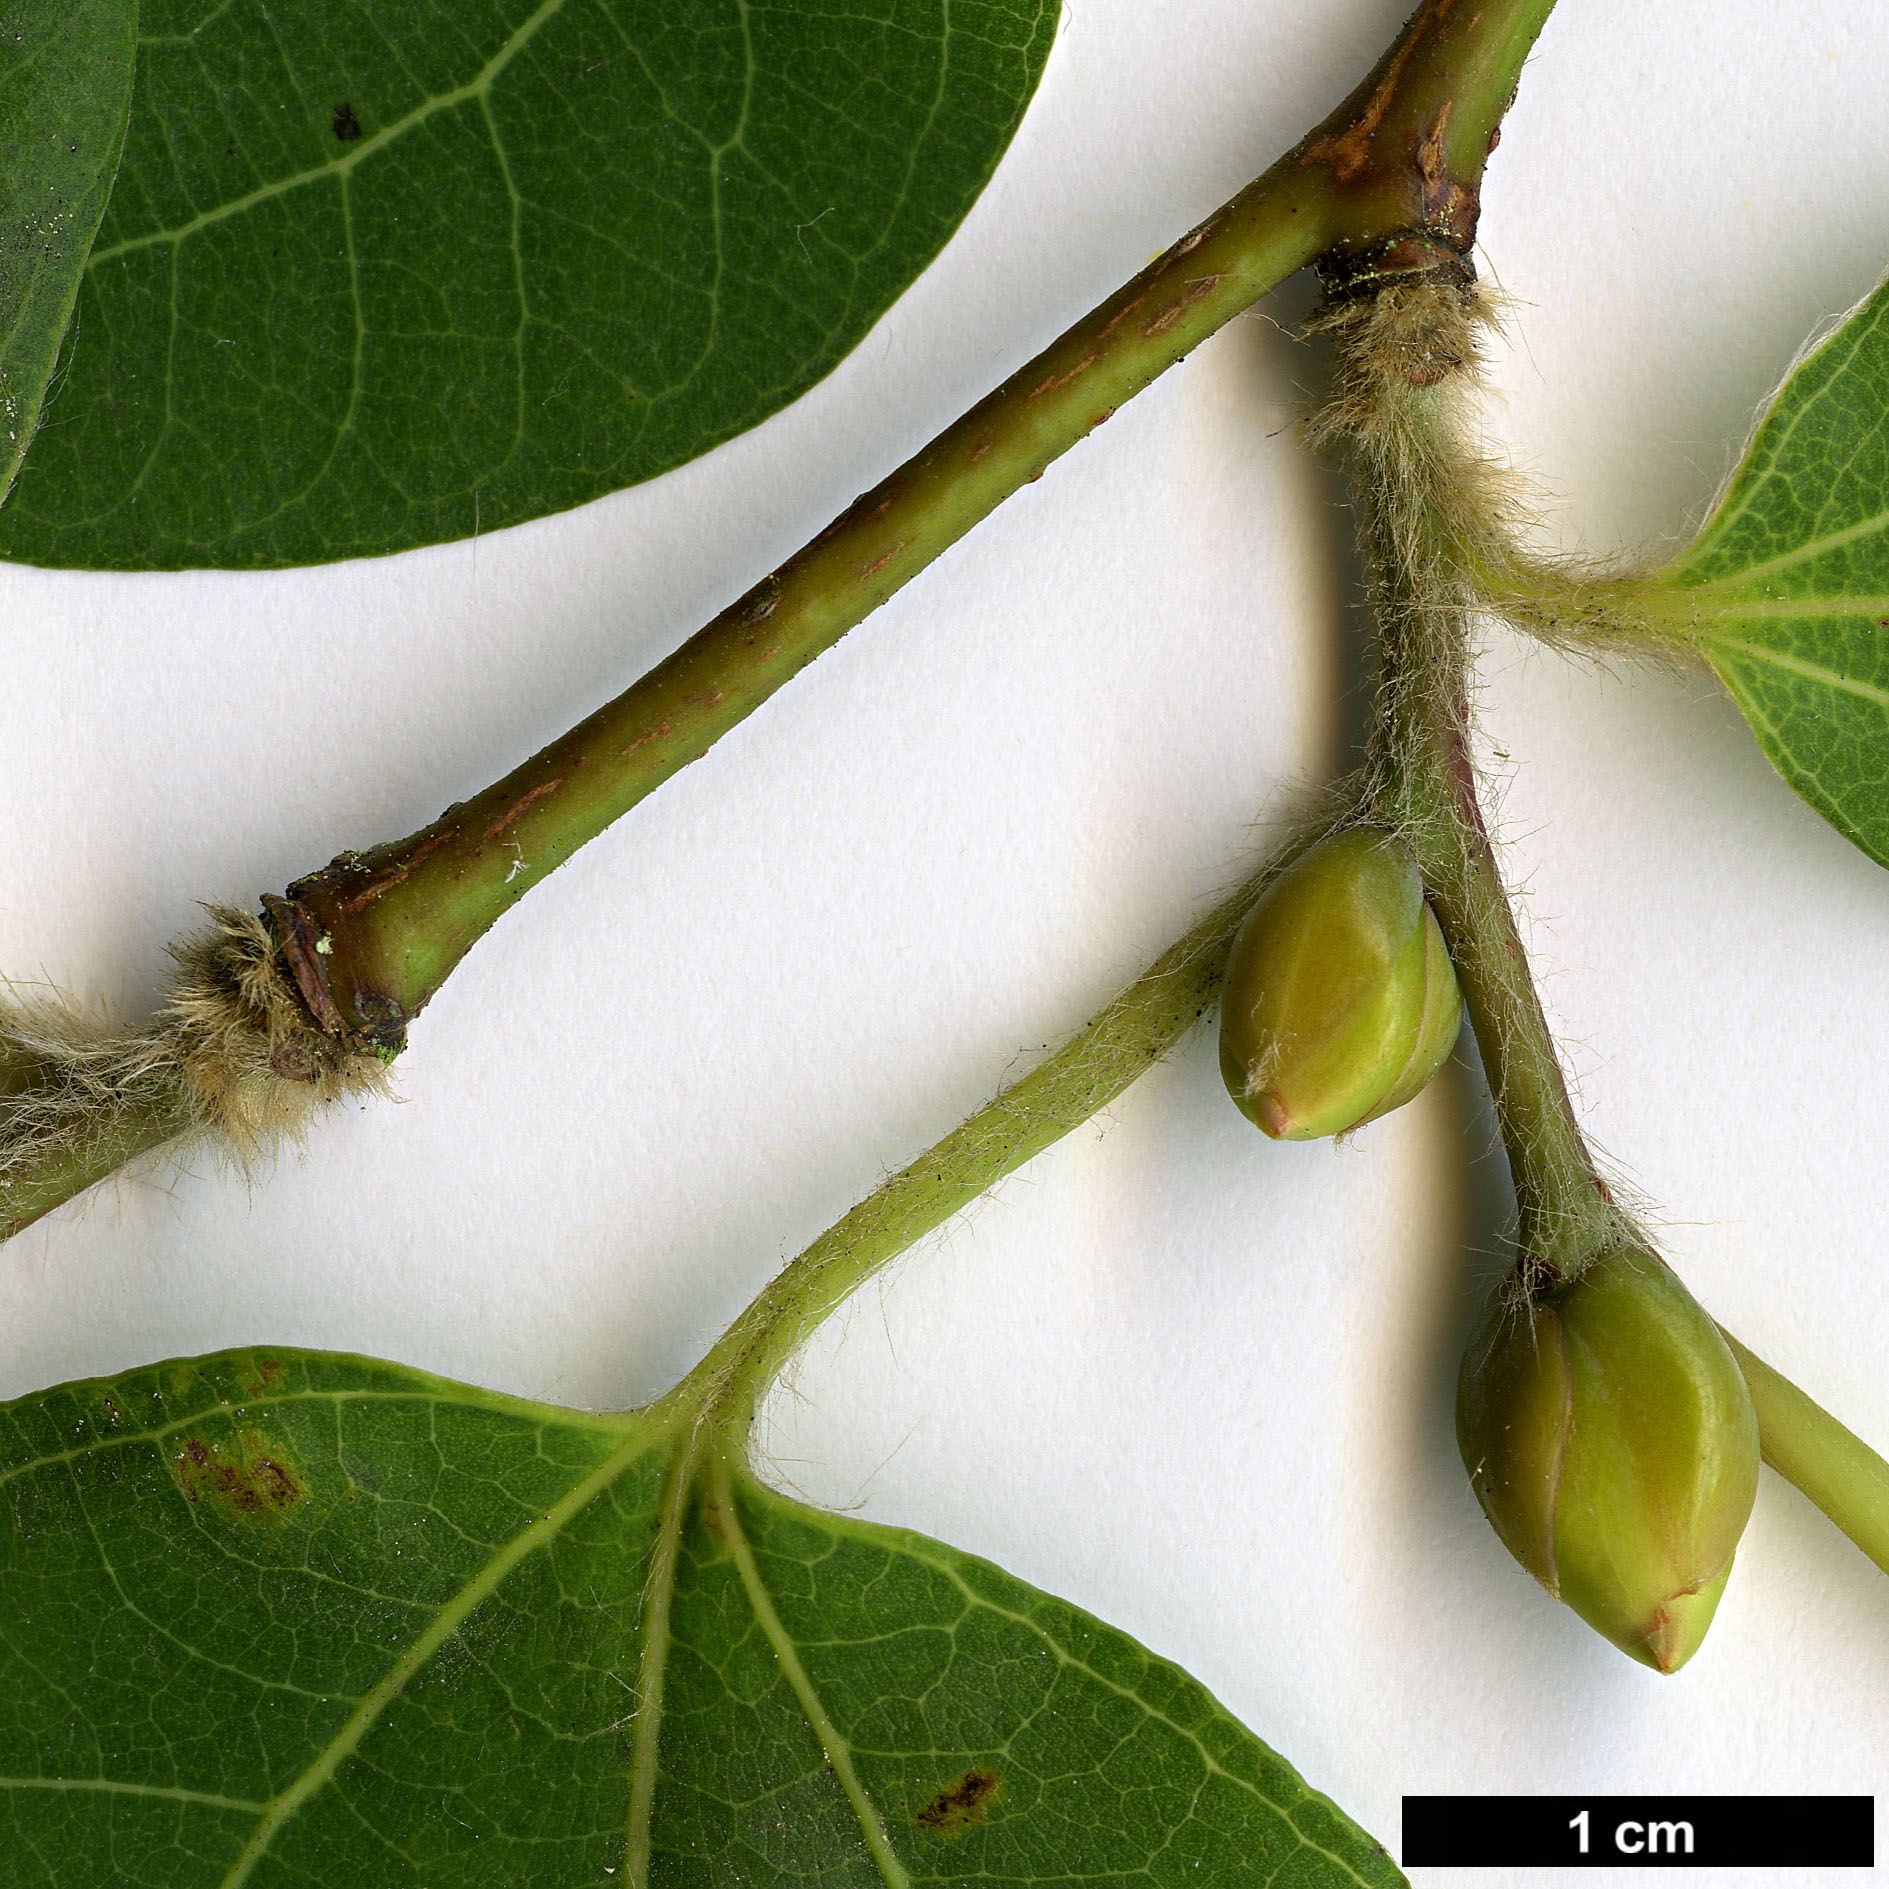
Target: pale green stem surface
x: 1811, y: 1450
x: 392, y: 923
x: 1425, y: 786
x: 50, y: 1171
x: 1628, y: 611
x: 373, y: 936
x: 1126, y: 1038
x: 370, y: 938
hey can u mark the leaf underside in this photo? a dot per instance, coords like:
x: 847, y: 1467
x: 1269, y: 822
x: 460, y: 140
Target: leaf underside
x: 309, y: 1619
x: 374, y: 277
x: 65, y: 87
x: 1787, y: 586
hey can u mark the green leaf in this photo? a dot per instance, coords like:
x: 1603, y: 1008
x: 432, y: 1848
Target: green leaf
x: 309, y: 1619
x: 373, y: 277
x: 1786, y: 589
x: 65, y: 87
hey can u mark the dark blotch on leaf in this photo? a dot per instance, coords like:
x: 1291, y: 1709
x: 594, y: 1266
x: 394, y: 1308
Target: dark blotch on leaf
x: 260, y: 1376
x: 248, y: 1479
x: 347, y: 126
x: 962, y: 1802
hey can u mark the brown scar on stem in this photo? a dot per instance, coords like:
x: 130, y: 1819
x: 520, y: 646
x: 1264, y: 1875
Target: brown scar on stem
x: 1061, y: 380
x: 885, y: 557
x: 986, y: 441
x: 1348, y: 151
x: 965, y: 1801
x: 643, y: 740
x: 1197, y: 287
x: 1166, y: 319
x: 1430, y: 150
x: 523, y: 802
x: 393, y: 875
x: 1122, y: 314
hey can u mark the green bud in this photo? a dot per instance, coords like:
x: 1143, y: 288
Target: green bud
x: 1610, y: 1439
x: 1438, y: 1026
x: 1340, y: 1000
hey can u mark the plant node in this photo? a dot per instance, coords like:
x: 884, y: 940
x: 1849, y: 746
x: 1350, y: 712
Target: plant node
x: 229, y: 1059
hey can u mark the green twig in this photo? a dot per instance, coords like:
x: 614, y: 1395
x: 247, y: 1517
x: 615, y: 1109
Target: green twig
x: 1124, y: 1040
x: 1426, y: 507
x: 1386, y: 188
x: 1387, y: 185
x: 1810, y: 1449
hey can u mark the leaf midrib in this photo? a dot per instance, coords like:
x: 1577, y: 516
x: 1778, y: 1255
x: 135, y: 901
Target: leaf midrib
x: 340, y: 166
x: 838, y: 1752
x: 446, y: 1621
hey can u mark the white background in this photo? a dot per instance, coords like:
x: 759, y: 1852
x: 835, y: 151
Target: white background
x: 1198, y: 1383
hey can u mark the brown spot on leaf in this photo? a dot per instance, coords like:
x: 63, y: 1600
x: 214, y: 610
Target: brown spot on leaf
x: 347, y: 126
x: 260, y: 1377
x: 247, y: 1478
x: 964, y: 1801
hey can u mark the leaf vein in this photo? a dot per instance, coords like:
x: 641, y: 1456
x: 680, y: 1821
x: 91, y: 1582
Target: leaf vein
x: 838, y: 1753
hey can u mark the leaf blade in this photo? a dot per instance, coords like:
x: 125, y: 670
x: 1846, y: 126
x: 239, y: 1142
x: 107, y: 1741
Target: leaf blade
x: 1786, y: 588
x: 65, y: 90
x: 316, y: 1619
x: 1174, y: 1744
x: 370, y: 281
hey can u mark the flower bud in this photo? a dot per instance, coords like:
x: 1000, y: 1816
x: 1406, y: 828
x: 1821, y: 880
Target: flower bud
x: 1611, y: 1441
x: 1340, y: 1000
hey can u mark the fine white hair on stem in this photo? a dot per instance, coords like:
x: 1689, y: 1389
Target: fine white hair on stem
x: 1447, y: 498
x: 230, y: 1060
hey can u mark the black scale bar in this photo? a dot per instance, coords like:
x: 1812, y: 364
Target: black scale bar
x: 1641, y: 1832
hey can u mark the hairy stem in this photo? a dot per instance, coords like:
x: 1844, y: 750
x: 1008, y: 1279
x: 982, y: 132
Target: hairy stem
x: 109, y: 1141
x: 1126, y: 1038
x: 1430, y: 513
x: 1810, y: 1449
x: 1386, y: 187
x: 1388, y: 184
